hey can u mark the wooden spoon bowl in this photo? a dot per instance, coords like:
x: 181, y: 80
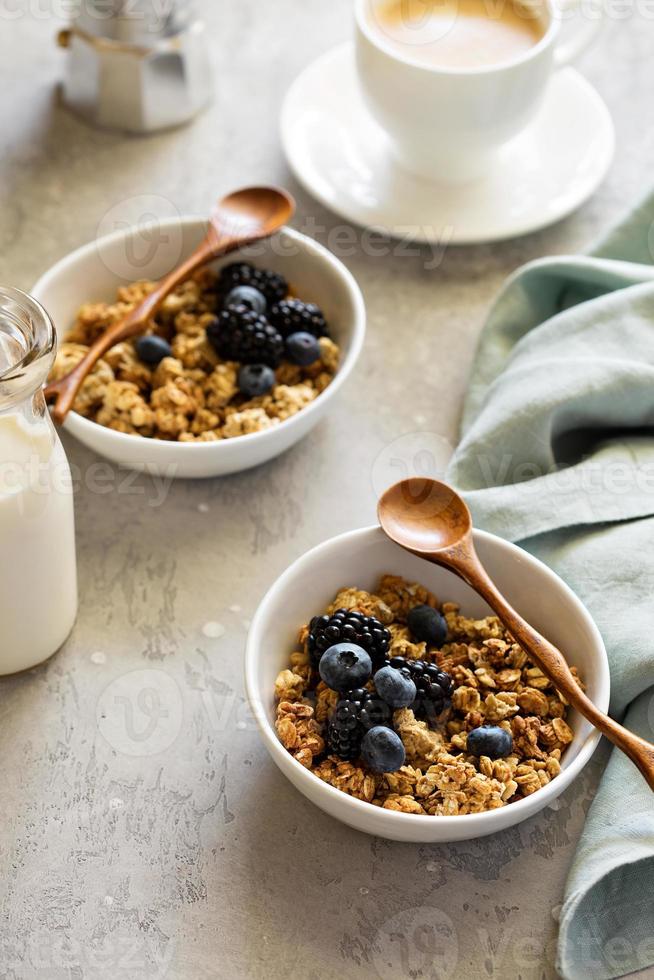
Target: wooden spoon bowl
x: 426, y: 515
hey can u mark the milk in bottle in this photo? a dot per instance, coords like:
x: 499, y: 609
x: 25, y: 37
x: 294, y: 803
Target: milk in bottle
x: 38, y: 586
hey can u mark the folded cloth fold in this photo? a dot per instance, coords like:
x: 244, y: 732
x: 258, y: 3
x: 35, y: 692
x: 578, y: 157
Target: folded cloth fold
x: 557, y: 452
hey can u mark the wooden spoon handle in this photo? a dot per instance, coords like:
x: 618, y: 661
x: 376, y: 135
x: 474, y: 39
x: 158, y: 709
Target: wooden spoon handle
x: 553, y: 664
x: 64, y: 391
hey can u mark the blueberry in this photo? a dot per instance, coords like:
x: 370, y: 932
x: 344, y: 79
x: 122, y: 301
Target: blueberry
x: 247, y: 296
x: 345, y: 666
x: 255, y: 379
x: 382, y: 750
x: 490, y: 740
x: 395, y: 687
x: 153, y: 349
x: 427, y: 625
x: 302, y: 348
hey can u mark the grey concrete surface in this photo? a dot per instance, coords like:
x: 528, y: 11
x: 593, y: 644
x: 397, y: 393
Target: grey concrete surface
x: 144, y: 832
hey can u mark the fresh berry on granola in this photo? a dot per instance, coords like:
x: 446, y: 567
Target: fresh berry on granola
x: 433, y: 687
x: 240, y: 334
x: 375, y: 711
x: 356, y: 712
x: 344, y: 733
x: 273, y: 286
x: 185, y: 379
x: 427, y: 625
x: 395, y: 686
x: 349, y: 626
x: 345, y: 666
x: 485, y: 727
x: 293, y: 316
x: 382, y: 750
x: 152, y: 350
x: 490, y: 740
x: 255, y: 380
x: 302, y: 349
x: 247, y: 296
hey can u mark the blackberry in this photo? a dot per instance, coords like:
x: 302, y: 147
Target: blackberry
x: 344, y: 733
x: 355, y: 714
x: 375, y: 712
x: 346, y: 626
x: 240, y: 334
x: 273, y: 286
x: 293, y: 316
x: 433, y: 685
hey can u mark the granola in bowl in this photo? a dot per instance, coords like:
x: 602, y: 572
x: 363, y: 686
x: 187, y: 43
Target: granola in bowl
x: 411, y: 706
x: 227, y: 355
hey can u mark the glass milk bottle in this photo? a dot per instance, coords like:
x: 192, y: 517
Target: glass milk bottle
x: 38, y: 582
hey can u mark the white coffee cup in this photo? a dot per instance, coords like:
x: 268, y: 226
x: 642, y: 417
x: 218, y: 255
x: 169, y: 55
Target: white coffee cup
x: 448, y: 123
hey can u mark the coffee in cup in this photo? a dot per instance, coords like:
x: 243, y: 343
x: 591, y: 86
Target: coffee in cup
x: 451, y: 81
x: 458, y: 34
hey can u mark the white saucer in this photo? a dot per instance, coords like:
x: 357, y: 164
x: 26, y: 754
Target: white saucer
x: 343, y: 158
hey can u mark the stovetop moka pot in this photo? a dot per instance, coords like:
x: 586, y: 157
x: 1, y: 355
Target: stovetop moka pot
x: 136, y: 65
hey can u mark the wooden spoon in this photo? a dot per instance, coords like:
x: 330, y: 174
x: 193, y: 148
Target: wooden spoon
x: 431, y: 520
x: 241, y: 218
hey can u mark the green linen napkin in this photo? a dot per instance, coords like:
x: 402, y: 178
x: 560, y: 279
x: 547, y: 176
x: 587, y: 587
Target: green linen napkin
x: 557, y: 453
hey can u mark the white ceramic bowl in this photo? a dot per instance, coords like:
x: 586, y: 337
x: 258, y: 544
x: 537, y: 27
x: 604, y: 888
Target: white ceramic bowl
x: 95, y: 271
x: 358, y: 558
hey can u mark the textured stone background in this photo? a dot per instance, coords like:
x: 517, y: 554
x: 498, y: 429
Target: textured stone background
x: 144, y: 832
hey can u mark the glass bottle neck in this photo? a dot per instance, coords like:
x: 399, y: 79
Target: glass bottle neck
x: 27, y: 350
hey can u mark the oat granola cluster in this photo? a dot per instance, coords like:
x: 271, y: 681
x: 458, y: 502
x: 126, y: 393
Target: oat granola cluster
x: 193, y: 394
x: 494, y: 684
